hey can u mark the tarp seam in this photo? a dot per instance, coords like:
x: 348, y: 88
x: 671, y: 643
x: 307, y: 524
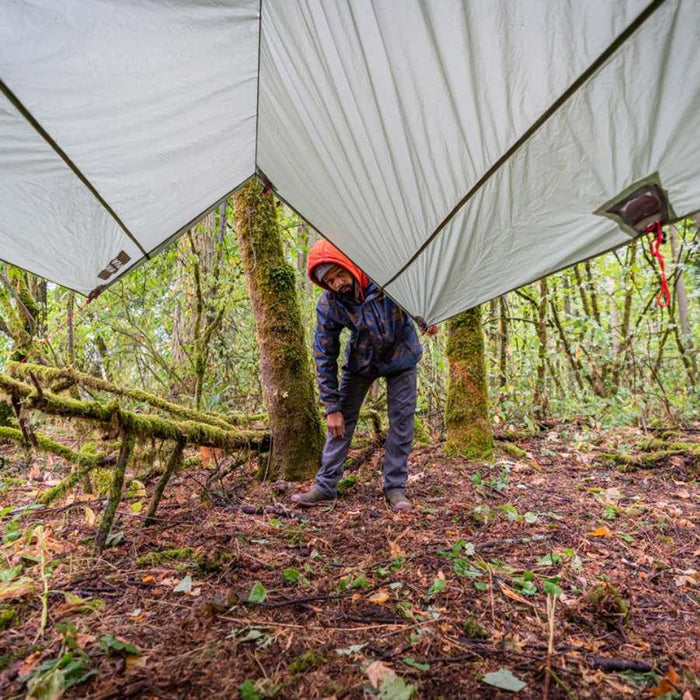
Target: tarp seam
x: 67, y: 160
x: 257, y: 97
x: 542, y: 119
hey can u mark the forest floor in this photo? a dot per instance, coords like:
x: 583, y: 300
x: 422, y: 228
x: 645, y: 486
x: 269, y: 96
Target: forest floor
x: 233, y: 593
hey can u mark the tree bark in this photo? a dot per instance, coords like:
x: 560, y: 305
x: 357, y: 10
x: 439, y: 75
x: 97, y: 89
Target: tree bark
x: 467, y: 420
x: 682, y: 302
x: 540, y: 402
x: 287, y: 379
x: 503, y: 342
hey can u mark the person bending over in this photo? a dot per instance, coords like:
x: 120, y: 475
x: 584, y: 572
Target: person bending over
x: 383, y: 343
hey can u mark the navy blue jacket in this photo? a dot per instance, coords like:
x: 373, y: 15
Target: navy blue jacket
x: 383, y: 340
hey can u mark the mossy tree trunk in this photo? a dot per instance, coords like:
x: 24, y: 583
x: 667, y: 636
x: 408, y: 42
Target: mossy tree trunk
x: 466, y: 413
x: 287, y: 379
x: 19, y: 311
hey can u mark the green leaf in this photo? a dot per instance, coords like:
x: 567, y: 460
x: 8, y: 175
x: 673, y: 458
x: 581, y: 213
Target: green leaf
x: 504, y: 680
x: 291, y: 575
x: 249, y: 691
x: 415, y: 664
x: 109, y: 644
x: 526, y: 587
x: 47, y: 686
x: 552, y: 587
x: 530, y: 517
x: 185, y: 586
x: 360, y: 582
x: 395, y: 689
x: 625, y: 537
x: 258, y: 593
x: 511, y: 512
x: 480, y: 586
x: 429, y: 511
x: 609, y: 512
x: 550, y: 560
x: 437, y: 587
x: 7, y: 575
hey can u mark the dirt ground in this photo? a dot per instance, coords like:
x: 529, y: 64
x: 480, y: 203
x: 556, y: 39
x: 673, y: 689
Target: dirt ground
x: 557, y: 570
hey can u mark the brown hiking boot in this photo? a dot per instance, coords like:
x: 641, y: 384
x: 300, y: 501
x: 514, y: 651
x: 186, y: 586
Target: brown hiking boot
x: 397, y: 500
x: 310, y: 498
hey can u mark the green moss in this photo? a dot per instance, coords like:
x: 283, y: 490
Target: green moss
x: 156, y: 558
x: 467, y: 419
x: 473, y: 629
x: 101, y: 480
x: 605, y: 602
x: 8, y: 617
x: 50, y: 374
x: 214, y: 562
x: 512, y: 450
x: 305, y: 662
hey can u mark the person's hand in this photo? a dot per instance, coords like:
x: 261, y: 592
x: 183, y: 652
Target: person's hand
x: 431, y: 331
x: 336, y: 424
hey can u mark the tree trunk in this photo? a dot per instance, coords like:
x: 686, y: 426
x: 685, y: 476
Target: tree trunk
x: 682, y: 302
x: 540, y: 397
x: 70, y: 340
x: 466, y: 414
x: 503, y: 342
x: 287, y: 378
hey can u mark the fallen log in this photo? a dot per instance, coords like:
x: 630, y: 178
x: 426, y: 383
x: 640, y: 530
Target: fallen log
x: 138, y: 424
x: 65, y: 377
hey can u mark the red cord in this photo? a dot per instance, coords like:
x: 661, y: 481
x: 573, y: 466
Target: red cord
x: 664, y: 297
x: 63, y: 325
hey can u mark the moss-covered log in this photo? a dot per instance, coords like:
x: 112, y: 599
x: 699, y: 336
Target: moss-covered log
x: 115, y: 492
x: 139, y: 425
x: 287, y: 379
x: 650, y: 460
x: 466, y: 413
x: 69, y: 376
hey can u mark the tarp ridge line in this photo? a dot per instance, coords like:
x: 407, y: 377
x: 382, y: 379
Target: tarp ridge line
x: 257, y: 96
x: 544, y: 117
x: 67, y: 160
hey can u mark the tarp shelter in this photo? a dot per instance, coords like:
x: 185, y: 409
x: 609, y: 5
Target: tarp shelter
x: 454, y: 149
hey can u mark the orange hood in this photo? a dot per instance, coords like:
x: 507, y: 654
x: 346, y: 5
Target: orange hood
x: 322, y: 253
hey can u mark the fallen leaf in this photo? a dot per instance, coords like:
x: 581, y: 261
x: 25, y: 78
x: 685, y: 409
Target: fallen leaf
x: 82, y: 640
x: 513, y: 595
x: 29, y: 664
x: 600, y: 532
x: 90, y: 516
x: 667, y: 684
x: 185, y: 586
x: 378, y: 672
x: 395, y: 551
x: 20, y: 588
x: 505, y: 680
x: 147, y: 579
x: 134, y: 662
x: 379, y: 598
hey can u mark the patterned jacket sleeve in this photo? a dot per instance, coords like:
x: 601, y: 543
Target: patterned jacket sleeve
x: 326, y: 351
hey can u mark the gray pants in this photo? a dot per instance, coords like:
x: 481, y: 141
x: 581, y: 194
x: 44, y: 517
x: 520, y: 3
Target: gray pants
x: 401, y: 404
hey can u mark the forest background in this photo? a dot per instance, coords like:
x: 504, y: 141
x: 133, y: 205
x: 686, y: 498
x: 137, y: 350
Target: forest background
x: 588, y: 343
